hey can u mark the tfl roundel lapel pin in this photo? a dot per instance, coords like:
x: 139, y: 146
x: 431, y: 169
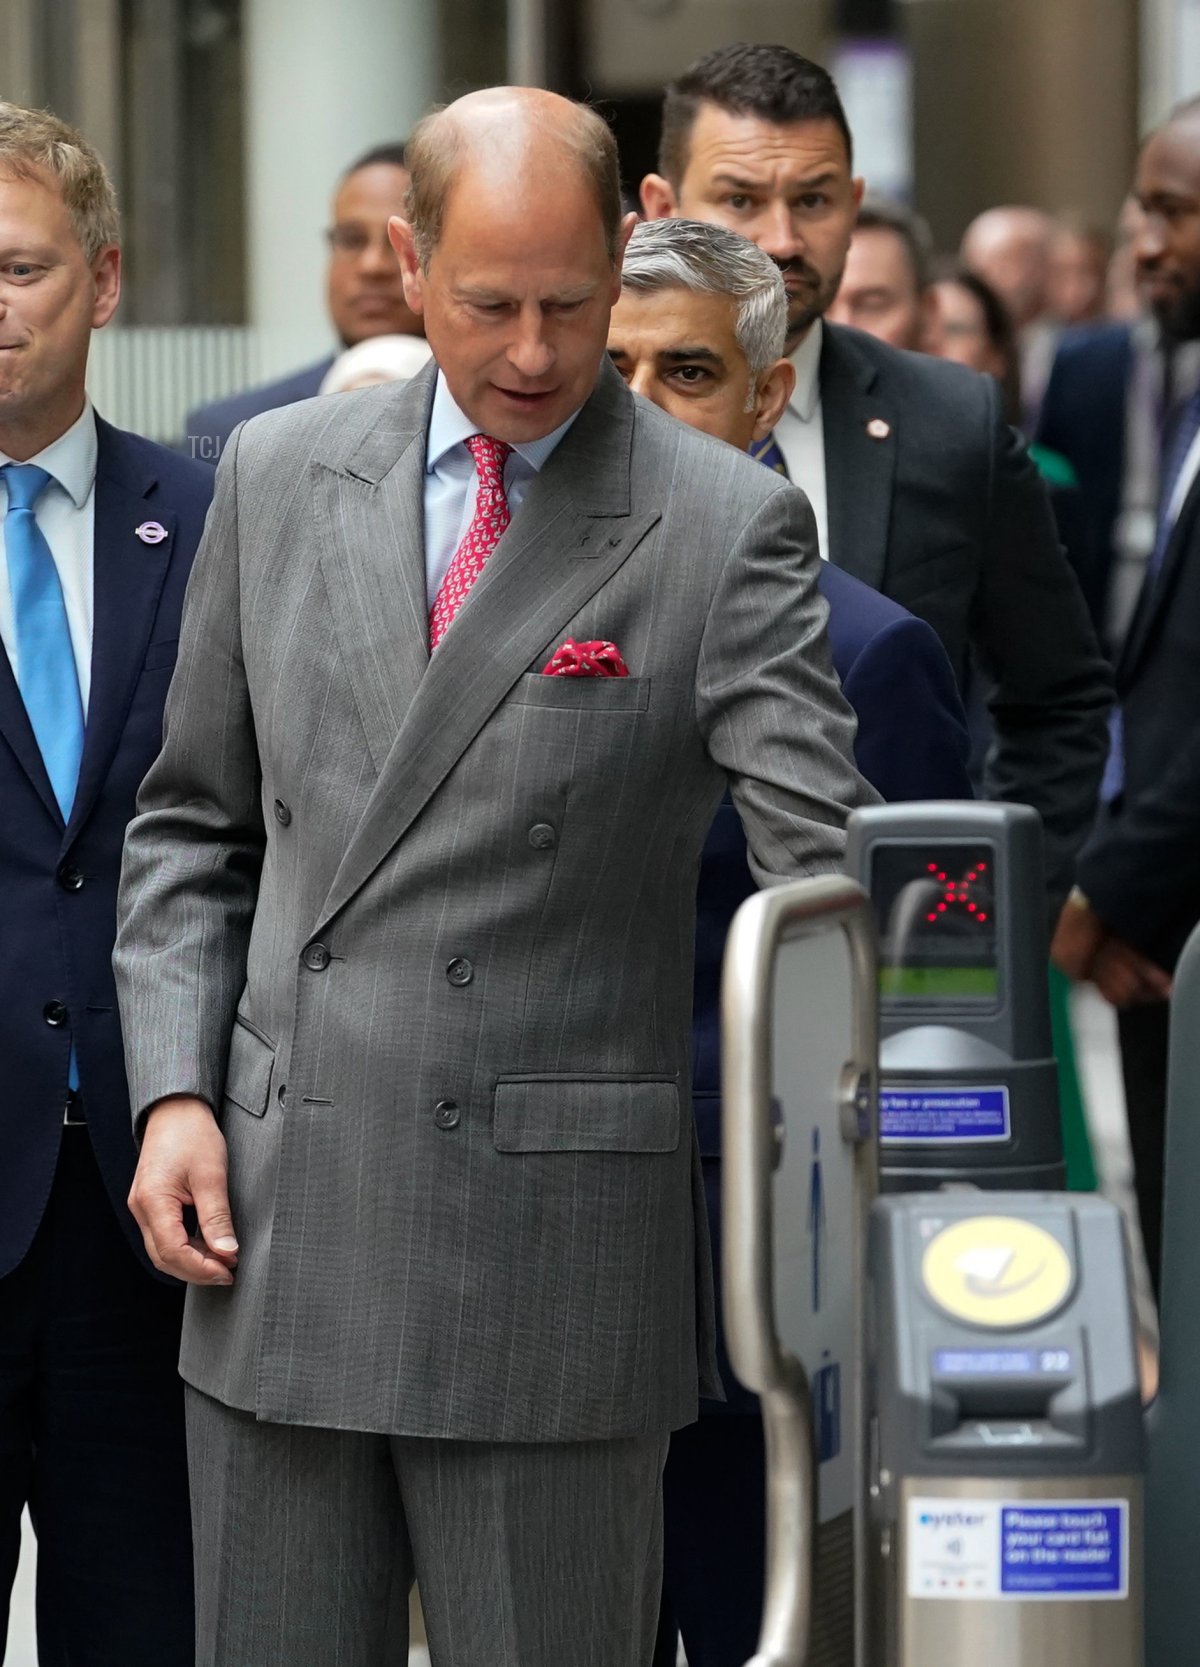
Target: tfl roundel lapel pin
x: 151, y: 532
x: 879, y: 428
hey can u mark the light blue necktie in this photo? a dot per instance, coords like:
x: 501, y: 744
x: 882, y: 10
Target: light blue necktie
x: 46, y: 673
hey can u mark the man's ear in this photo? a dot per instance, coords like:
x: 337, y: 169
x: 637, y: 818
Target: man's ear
x: 628, y: 224
x: 658, y: 198
x: 106, y: 273
x: 400, y: 236
x: 775, y: 387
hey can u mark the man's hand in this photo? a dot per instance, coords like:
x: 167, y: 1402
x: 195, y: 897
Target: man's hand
x: 1077, y: 937
x: 1127, y: 978
x: 184, y: 1161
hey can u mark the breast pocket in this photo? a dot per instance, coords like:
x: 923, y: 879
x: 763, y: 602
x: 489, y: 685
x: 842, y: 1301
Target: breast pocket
x: 583, y: 694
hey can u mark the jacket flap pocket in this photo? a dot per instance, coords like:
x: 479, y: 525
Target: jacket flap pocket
x: 586, y: 1114
x: 583, y: 694
x: 248, y: 1074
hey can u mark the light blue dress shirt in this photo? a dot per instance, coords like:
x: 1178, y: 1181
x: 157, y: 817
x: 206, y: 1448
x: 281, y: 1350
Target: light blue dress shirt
x: 451, y: 482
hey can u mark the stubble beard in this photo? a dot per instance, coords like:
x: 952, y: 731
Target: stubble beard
x: 806, y: 308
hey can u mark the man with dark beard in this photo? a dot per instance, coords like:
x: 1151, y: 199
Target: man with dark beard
x: 1138, y: 896
x: 918, y: 485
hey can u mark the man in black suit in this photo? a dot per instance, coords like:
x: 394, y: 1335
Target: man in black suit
x: 1138, y: 894
x: 97, y: 534
x: 364, y: 289
x: 918, y: 485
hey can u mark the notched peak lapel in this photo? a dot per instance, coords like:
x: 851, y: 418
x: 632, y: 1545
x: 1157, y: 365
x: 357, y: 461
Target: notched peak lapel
x: 532, y: 586
x: 129, y: 574
x: 370, y: 429
x: 860, y: 424
x: 594, y: 457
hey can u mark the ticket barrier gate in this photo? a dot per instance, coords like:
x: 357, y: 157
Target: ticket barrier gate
x: 1038, y: 1418
x: 968, y: 1082
x: 1173, y: 1481
x: 1008, y: 1508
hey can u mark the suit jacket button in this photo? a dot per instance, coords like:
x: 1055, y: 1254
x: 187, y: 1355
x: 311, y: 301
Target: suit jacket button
x: 69, y: 877
x: 316, y: 957
x: 55, y: 1014
x: 459, y: 971
x: 446, y: 1114
x: 281, y: 1094
x: 283, y: 813
x: 542, y: 837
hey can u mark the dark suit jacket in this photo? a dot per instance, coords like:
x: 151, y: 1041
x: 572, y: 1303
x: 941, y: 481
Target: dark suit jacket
x: 911, y: 744
x: 58, y: 886
x: 209, y: 426
x: 947, y: 515
x: 1141, y: 867
x: 1083, y: 419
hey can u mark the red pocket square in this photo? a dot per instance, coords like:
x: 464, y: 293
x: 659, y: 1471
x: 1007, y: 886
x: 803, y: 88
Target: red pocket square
x: 586, y: 659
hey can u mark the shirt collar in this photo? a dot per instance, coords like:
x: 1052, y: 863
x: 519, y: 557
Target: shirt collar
x: 450, y: 427
x: 71, y: 459
x: 807, y: 360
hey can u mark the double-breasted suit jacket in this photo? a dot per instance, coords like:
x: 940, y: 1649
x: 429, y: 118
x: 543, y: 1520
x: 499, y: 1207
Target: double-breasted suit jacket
x: 421, y: 929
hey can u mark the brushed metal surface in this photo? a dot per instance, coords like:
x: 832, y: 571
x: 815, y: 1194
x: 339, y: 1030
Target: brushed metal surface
x: 1014, y: 1632
x: 803, y: 908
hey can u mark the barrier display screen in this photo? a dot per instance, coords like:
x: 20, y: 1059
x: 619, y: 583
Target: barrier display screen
x: 935, y: 910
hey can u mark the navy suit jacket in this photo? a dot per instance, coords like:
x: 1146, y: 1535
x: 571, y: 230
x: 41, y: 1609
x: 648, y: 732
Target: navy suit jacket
x: 58, y: 886
x: 1083, y: 419
x: 912, y: 743
x: 209, y: 426
x: 1141, y: 867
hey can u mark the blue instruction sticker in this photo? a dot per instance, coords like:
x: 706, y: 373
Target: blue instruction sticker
x: 1039, y: 1550
x: 965, y: 1116
x: 1063, y: 1550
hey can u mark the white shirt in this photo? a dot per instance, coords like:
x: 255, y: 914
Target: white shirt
x: 800, y: 432
x: 451, y: 483
x: 65, y: 512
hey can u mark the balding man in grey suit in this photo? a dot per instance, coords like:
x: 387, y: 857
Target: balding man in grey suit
x: 406, y: 942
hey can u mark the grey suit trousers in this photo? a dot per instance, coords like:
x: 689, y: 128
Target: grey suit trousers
x: 527, y: 1554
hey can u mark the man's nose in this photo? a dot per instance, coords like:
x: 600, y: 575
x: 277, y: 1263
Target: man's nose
x: 776, y: 233
x: 531, y: 352
x: 644, y: 382
x: 377, y: 255
x: 1148, y: 240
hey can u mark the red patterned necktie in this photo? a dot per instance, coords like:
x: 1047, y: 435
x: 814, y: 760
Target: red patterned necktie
x: 481, y: 537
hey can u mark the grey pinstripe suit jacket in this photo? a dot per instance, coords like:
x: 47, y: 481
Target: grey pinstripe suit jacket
x: 335, y: 819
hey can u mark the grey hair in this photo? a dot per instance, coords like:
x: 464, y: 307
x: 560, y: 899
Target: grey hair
x: 689, y: 254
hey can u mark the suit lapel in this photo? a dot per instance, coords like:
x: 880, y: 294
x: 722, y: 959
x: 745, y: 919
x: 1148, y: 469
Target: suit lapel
x: 1154, y: 596
x: 860, y: 460
x: 370, y: 512
x: 572, y: 533
x: 18, y: 732
x: 129, y: 578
